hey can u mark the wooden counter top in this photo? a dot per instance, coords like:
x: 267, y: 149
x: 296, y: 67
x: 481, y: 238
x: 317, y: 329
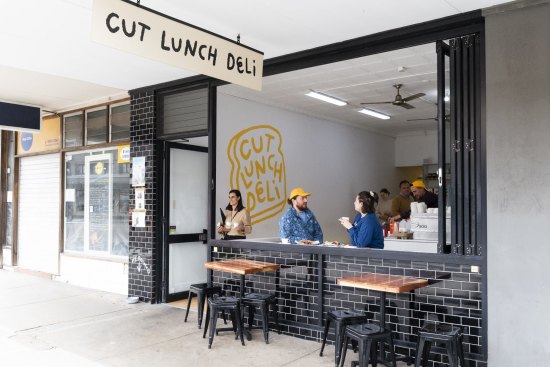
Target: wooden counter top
x: 241, y: 266
x: 383, y: 282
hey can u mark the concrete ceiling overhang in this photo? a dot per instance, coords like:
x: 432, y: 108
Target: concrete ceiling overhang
x: 48, y: 59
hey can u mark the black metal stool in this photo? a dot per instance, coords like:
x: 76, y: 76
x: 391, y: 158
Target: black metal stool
x: 450, y: 335
x: 223, y: 304
x: 203, y: 292
x: 366, y: 335
x: 341, y: 318
x: 263, y: 302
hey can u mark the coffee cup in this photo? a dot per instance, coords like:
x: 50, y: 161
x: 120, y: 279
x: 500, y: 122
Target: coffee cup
x: 344, y: 218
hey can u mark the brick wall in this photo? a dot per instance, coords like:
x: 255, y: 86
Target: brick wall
x: 453, y: 296
x: 142, y: 241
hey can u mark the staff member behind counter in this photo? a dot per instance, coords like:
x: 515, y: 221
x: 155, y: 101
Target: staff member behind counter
x: 237, y: 219
x: 298, y: 222
x: 401, y: 203
x: 365, y: 230
x: 421, y: 195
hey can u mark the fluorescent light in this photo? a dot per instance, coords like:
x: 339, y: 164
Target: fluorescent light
x: 325, y: 98
x: 374, y: 114
x: 446, y: 98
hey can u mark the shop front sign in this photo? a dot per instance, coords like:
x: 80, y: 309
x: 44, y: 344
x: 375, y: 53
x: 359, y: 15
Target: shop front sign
x: 141, y: 31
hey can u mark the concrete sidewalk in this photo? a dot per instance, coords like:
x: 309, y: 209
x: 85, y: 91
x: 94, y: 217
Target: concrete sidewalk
x: 44, y: 322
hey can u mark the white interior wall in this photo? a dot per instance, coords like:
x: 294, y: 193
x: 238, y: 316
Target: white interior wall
x: 331, y: 160
x: 416, y: 149
x: 518, y: 177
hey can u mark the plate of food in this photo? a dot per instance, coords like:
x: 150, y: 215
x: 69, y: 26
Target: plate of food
x: 331, y: 243
x: 307, y: 242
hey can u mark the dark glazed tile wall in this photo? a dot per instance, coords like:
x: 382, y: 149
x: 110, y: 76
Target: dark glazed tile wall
x: 142, y: 245
x: 453, y: 296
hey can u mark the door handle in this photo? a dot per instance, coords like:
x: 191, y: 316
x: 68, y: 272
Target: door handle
x: 204, y: 236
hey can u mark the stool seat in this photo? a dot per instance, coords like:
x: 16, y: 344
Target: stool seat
x: 365, y: 335
x: 203, y: 292
x: 340, y: 318
x: 446, y: 334
x: 263, y: 301
x: 224, y: 304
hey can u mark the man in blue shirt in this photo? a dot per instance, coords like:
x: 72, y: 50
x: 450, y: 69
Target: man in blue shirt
x: 299, y: 223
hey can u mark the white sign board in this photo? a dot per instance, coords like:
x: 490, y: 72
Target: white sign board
x: 141, y: 31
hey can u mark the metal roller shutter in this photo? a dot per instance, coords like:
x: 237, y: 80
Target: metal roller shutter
x: 38, y: 216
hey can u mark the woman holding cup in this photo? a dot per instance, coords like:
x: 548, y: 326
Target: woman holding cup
x: 237, y: 219
x: 365, y: 230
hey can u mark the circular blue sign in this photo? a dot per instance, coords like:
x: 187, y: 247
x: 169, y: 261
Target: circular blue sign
x: 26, y: 141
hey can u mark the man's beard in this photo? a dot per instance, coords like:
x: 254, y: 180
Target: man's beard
x: 301, y: 207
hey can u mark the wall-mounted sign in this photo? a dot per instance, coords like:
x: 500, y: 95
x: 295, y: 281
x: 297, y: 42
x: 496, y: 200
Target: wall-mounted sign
x: 14, y: 116
x: 138, y: 171
x: 48, y: 139
x: 144, y: 32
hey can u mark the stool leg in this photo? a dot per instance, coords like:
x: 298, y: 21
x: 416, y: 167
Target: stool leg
x: 327, y: 324
x: 344, y: 350
x: 392, y: 350
x: 374, y: 355
x: 362, y: 361
x: 340, y: 331
x: 265, y: 321
x: 200, y: 307
x: 419, y: 351
x: 251, y: 310
x: 212, y: 327
x: 451, y: 354
x: 461, y: 353
x: 426, y: 353
x: 188, y: 305
x: 234, y: 324
x: 239, y: 323
x: 276, y: 317
x: 367, y: 355
x: 206, y: 322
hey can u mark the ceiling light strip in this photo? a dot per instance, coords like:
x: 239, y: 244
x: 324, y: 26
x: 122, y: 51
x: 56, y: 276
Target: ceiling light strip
x: 374, y: 114
x: 325, y: 98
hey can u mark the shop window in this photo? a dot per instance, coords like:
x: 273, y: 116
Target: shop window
x: 96, y: 127
x: 120, y: 122
x: 73, y: 128
x: 96, y: 203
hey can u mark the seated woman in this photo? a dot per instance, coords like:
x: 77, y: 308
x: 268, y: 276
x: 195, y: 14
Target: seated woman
x: 365, y: 230
x: 237, y: 219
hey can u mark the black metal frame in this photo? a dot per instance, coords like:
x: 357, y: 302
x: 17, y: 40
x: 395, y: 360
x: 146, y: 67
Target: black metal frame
x: 466, y: 204
x: 471, y: 23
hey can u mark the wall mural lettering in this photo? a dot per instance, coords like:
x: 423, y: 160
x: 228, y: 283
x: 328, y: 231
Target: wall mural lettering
x: 258, y: 170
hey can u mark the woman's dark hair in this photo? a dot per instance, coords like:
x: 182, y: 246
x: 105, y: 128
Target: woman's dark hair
x: 240, y: 205
x: 368, y: 200
x: 384, y: 190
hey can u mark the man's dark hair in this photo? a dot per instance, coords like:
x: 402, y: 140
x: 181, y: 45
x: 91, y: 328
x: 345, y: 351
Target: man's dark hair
x: 404, y: 181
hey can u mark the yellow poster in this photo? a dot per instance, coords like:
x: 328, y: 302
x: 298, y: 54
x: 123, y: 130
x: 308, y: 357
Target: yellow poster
x: 123, y: 154
x: 48, y: 139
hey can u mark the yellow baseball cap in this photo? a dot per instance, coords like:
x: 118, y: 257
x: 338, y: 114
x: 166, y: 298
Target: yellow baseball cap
x: 419, y: 183
x: 298, y: 191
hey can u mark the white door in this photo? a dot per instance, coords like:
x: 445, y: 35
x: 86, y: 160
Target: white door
x: 187, y: 216
x: 38, y: 215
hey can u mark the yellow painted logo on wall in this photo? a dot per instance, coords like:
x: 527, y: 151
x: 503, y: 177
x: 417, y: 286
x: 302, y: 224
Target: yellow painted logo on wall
x: 258, y: 170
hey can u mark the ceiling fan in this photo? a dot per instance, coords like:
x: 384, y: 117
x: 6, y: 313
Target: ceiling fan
x: 430, y: 118
x: 400, y: 101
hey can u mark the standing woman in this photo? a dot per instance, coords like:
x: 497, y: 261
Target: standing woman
x: 237, y: 219
x: 365, y: 230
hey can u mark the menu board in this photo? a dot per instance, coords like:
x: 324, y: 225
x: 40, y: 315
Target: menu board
x: 99, y: 205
